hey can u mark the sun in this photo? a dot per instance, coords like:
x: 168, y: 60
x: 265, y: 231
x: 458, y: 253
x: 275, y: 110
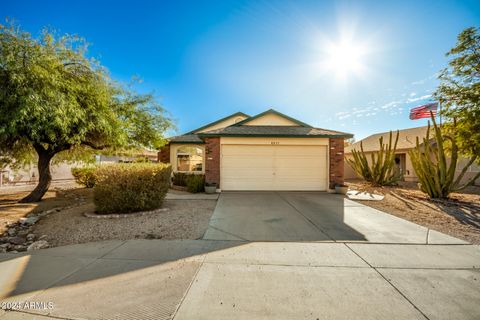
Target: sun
x: 344, y: 59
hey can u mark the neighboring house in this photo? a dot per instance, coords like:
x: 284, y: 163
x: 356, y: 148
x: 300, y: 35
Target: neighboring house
x: 63, y: 170
x: 269, y: 151
x: 406, y: 141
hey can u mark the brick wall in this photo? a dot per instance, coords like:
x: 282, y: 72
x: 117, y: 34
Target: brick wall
x: 164, y: 154
x: 336, y: 161
x: 212, y: 160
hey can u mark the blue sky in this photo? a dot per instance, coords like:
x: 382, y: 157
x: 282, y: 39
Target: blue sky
x: 205, y: 60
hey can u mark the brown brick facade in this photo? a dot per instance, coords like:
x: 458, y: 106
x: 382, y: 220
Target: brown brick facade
x: 336, y: 161
x: 212, y: 161
x: 164, y: 154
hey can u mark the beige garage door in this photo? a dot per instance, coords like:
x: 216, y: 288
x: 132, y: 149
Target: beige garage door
x: 265, y: 167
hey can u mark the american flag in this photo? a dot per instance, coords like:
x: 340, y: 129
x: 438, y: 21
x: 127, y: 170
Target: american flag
x: 423, y: 111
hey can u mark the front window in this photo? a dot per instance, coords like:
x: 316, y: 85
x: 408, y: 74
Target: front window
x: 189, y: 159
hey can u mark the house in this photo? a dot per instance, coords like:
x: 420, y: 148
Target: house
x: 269, y: 151
x: 406, y: 141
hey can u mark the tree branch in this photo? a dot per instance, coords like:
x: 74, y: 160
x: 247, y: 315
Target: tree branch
x: 94, y: 146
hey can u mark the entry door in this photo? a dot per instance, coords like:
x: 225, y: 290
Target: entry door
x: 273, y: 167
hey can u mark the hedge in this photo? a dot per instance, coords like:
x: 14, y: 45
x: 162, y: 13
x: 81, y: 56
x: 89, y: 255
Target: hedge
x: 85, y: 176
x: 195, y: 183
x: 131, y: 187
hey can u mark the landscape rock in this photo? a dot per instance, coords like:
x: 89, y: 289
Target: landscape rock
x: 30, y: 220
x: 5, y: 247
x: 43, y: 237
x: 19, y: 248
x: 12, y: 232
x: 40, y: 244
x: 30, y: 237
x: 17, y: 240
x: 23, y: 233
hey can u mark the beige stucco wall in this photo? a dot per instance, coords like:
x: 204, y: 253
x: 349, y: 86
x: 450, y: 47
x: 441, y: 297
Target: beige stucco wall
x: 224, y: 123
x: 173, y: 155
x: 270, y: 120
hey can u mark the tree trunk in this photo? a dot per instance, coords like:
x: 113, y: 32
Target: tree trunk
x: 44, y: 175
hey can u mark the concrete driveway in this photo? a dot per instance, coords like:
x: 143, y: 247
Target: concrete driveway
x: 311, y: 216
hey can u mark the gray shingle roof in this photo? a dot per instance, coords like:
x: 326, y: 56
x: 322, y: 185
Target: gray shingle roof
x: 240, y: 129
x: 280, y: 131
x: 186, y: 138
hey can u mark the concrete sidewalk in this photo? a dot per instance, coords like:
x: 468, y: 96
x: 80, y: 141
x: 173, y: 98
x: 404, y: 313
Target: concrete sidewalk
x: 199, y: 279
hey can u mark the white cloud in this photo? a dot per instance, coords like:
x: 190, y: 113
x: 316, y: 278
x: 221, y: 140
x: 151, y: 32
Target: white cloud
x: 424, y: 97
x: 392, y: 108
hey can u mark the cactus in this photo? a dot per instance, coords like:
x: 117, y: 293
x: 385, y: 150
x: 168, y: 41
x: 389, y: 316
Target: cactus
x: 382, y: 170
x: 436, y: 175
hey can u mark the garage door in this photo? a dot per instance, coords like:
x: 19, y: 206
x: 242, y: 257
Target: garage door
x: 265, y: 167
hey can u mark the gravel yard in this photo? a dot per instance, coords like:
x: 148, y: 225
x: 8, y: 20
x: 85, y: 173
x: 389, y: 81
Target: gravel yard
x: 458, y: 216
x: 66, y: 223
x: 184, y: 219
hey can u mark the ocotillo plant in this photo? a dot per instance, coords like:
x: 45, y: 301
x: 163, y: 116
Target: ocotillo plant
x: 381, y: 170
x: 435, y: 174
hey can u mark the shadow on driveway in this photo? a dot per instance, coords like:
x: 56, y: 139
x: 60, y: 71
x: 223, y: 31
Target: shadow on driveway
x: 309, y: 216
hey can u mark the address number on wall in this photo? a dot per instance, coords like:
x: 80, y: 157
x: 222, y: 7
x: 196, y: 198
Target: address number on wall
x: 275, y: 142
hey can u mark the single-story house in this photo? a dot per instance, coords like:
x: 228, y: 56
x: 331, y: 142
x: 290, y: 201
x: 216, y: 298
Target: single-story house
x: 406, y: 141
x: 269, y: 151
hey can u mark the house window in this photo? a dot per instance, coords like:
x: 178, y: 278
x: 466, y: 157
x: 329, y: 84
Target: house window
x: 189, y: 159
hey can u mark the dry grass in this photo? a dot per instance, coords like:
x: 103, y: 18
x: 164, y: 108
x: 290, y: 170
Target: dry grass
x: 57, y: 196
x: 458, y: 216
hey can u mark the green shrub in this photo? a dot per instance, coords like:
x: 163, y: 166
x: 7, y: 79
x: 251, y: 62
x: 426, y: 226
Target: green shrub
x: 131, y: 187
x: 179, y: 179
x: 85, y: 176
x: 195, y: 183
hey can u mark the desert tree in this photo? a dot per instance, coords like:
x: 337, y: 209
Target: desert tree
x: 459, y: 94
x: 56, y: 99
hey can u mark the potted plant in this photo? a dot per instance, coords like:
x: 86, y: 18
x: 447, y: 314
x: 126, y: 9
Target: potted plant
x: 341, y: 188
x: 210, y: 187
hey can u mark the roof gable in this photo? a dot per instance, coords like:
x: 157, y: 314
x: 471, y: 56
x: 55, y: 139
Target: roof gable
x: 272, y: 118
x: 222, y: 123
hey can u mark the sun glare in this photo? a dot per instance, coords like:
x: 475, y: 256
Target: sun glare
x: 345, y: 59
